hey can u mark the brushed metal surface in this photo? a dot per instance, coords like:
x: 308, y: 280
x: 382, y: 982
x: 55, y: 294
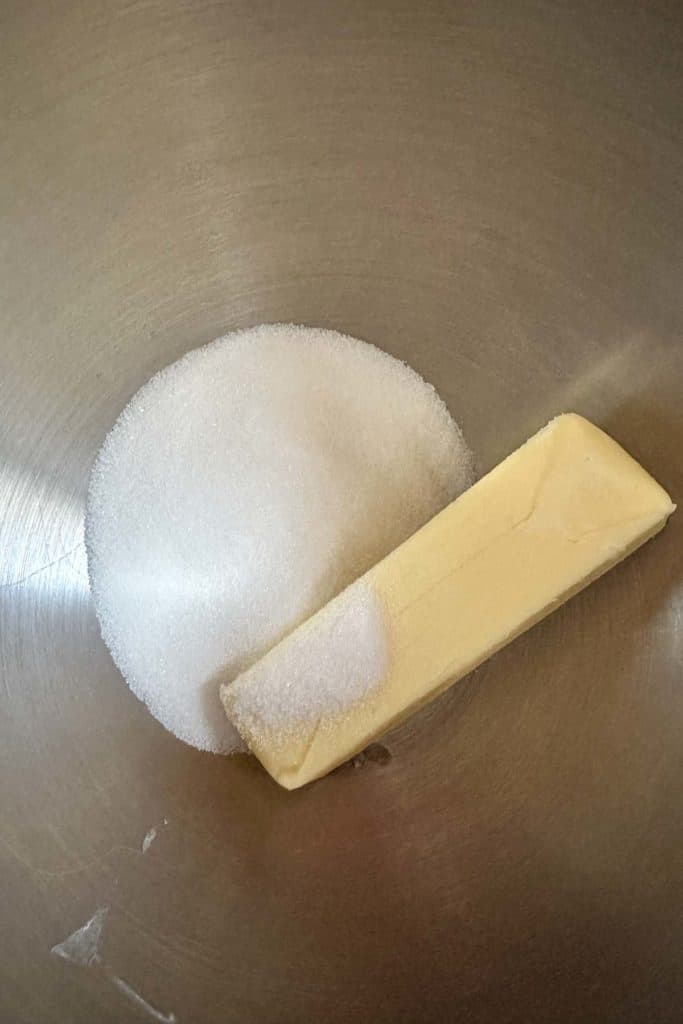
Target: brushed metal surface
x: 491, y: 191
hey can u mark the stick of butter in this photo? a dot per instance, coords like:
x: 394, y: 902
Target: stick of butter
x: 556, y: 514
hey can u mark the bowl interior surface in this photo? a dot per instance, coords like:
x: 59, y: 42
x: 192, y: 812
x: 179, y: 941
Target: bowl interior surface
x: 491, y: 192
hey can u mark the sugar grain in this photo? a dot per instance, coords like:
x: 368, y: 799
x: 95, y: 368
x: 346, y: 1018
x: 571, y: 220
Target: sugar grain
x: 240, y: 490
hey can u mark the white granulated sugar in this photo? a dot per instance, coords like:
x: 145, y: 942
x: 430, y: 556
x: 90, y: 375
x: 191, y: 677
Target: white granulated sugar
x: 316, y: 675
x: 240, y: 490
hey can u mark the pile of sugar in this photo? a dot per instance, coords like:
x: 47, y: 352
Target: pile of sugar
x: 239, y: 491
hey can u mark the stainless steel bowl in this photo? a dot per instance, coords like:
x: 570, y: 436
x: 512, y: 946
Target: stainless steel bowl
x: 492, y: 192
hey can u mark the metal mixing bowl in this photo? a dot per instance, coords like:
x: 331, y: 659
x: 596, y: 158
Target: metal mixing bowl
x: 491, y: 191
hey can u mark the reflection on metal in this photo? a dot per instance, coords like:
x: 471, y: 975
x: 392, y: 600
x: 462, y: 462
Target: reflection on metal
x: 142, y: 1004
x: 83, y: 946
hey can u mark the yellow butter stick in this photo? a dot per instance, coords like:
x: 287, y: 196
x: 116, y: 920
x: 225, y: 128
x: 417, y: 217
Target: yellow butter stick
x: 552, y: 517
